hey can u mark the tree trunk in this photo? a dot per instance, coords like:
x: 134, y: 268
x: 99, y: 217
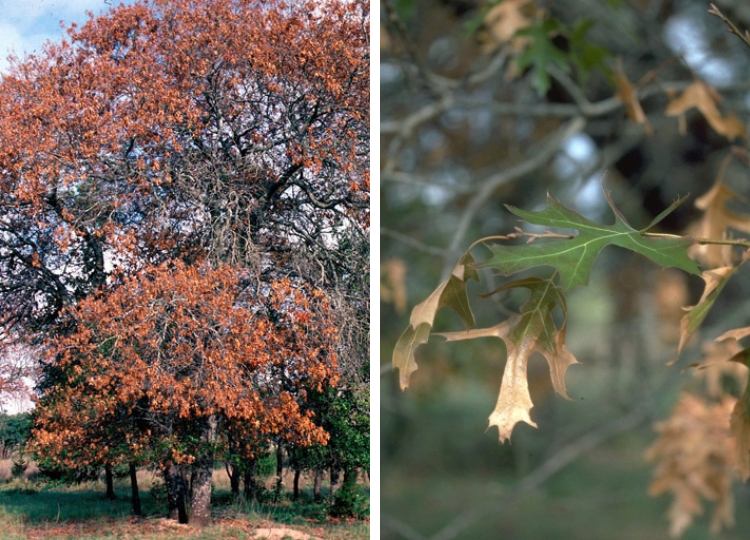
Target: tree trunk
x: 251, y: 486
x: 297, y: 474
x: 233, y: 471
x: 200, y: 481
x: 110, y: 481
x: 335, y: 474
x: 176, y: 483
x: 317, y: 484
x: 279, y: 472
x: 135, y: 496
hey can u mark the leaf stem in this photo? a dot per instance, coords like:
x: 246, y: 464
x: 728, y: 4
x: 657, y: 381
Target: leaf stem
x: 739, y: 242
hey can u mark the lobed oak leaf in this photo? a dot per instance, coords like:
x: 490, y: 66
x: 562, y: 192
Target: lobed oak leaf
x: 716, y: 219
x: 574, y: 257
x: 703, y: 97
x: 532, y: 330
x: 695, y: 459
x: 452, y: 293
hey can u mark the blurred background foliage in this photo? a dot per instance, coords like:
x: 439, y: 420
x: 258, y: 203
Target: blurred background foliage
x: 487, y: 104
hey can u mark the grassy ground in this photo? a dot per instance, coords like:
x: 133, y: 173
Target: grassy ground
x: 31, y: 510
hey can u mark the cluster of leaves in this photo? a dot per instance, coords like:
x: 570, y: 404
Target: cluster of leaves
x: 687, y: 469
x: 177, y: 347
x: 534, y: 329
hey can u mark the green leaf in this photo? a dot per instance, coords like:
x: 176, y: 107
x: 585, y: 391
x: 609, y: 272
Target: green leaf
x: 541, y: 53
x: 585, y: 55
x: 573, y: 258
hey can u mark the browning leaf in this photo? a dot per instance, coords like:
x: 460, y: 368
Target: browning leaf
x: 740, y: 419
x: 715, y: 280
x: 704, y: 98
x: 532, y: 330
x: 695, y: 459
x: 574, y: 257
x: 403, y: 353
x: 452, y: 293
x: 628, y: 94
x: 717, y: 218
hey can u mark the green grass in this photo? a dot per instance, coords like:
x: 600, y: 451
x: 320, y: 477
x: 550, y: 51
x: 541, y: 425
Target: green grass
x: 30, y: 509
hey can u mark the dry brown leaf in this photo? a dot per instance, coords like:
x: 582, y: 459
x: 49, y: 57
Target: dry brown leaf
x: 671, y: 294
x: 507, y: 17
x: 740, y: 429
x: 628, y: 94
x: 704, y: 98
x: 737, y: 333
x: 716, y: 365
x: 697, y: 313
x: 717, y: 218
x: 531, y: 331
x: 393, y: 283
x: 695, y: 459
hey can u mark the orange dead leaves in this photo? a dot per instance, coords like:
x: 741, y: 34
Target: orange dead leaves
x: 174, y: 343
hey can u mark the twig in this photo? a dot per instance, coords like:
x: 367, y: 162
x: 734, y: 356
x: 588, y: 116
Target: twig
x: 732, y: 28
x: 548, y: 149
x: 411, y: 242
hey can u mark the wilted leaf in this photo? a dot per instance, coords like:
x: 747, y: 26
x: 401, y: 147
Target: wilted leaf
x: 717, y: 364
x: 452, y: 293
x: 717, y: 218
x: 505, y: 18
x: 715, y: 280
x: 740, y: 429
x: 704, y: 98
x: 403, y: 353
x: 627, y: 93
x: 574, y: 257
x: 533, y: 330
x: 695, y: 459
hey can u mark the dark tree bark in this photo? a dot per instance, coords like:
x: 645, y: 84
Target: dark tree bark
x: 279, y: 472
x: 109, y: 480
x: 233, y: 471
x: 175, y: 479
x: 135, y: 495
x: 335, y: 475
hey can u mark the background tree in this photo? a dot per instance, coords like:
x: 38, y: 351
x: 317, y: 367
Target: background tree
x: 486, y: 105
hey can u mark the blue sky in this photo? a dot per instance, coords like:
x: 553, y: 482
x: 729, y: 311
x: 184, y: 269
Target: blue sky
x: 25, y: 26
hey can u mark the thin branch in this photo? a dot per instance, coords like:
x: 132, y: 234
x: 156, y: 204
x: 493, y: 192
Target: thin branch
x: 411, y: 242
x: 535, y: 161
x: 732, y: 28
